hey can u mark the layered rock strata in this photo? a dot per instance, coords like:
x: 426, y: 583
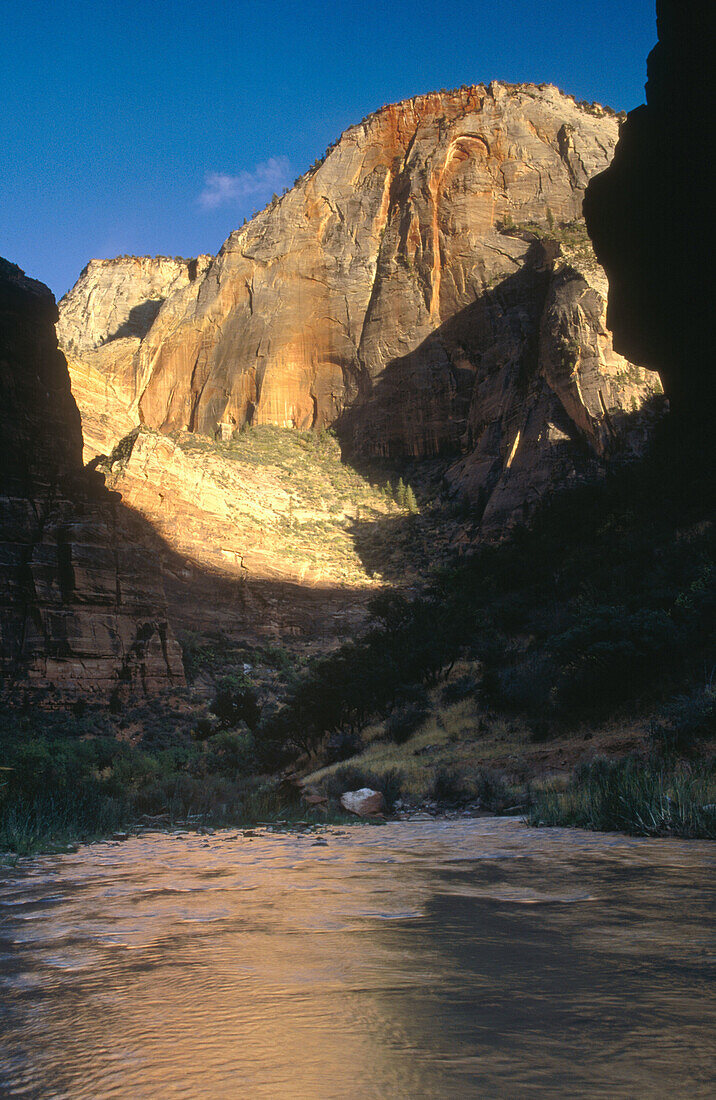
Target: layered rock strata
x: 646, y: 213
x: 82, y: 607
x: 428, y: 289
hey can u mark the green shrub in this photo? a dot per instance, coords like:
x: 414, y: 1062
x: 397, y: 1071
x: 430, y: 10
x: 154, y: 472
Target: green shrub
x: 403, y: 721
x: 523, y: 686
x: 232, y: 752
x: 684, y: 722
x: 464, y: 687
x: 342, y: 745
x: 236, y: 700
x: 449, y: 786
x: 491, y: 790
x: 610, y: 651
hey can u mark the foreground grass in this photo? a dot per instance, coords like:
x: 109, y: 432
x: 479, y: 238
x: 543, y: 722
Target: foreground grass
x: 60, y: 823
x: 643, y: 798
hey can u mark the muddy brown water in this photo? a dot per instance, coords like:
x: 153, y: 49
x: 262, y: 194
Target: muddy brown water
x: 476, y: 958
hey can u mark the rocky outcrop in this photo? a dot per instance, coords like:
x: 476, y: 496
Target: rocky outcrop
x: 428, y: 289
x: 119, y: 299
x: 644, y: 213
x: 82, y: 608
x: 561, y: 402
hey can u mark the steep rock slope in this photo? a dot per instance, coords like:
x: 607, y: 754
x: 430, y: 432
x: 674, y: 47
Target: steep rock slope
x: 82, y: 607
x: 643, y: 213
x: 271, y: 504
x: 425, y: 289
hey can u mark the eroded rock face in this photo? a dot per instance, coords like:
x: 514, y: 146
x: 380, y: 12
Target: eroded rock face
x: 82, y: 607
x: 103, y: 320
x: 645, y: 213
x: 119, y: 299
x: 428, y: 289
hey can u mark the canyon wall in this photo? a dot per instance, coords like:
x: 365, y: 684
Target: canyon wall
x: 428, y: 289
x: 647, y: 213
x: 82, y: 607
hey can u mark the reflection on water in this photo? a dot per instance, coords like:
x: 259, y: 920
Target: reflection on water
x: 421, y: 959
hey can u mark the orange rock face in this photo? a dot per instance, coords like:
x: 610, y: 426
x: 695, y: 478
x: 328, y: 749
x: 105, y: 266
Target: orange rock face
x: 82, y: 607
x: 425, y: 289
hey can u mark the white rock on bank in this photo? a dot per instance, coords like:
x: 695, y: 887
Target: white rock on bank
x: 364, y: 803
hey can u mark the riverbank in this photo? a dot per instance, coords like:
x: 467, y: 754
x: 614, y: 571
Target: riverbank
x: 63, y: 792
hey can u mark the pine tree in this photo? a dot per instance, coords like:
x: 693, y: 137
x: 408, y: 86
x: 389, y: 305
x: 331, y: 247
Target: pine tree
x: 410, y: 502
x: 400, y: 493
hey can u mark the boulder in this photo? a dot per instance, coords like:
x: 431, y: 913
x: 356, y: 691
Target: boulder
x: 314, y: 798
x: 363, y: 803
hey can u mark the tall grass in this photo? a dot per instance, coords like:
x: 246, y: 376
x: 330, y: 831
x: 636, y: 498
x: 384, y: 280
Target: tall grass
x: 51, y: 822
x: 643, y: 798
x: 55, y: 823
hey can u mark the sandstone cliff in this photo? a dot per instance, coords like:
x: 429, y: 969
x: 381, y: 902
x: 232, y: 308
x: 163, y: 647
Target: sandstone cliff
x: 427, y: 289
x: 102, y: 322
x: 82, y: 607
x: 645, y: 213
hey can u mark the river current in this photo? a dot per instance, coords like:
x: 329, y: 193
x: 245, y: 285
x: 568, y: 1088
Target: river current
x: 471, y: 958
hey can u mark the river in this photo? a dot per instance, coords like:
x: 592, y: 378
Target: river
x: 470, y: 958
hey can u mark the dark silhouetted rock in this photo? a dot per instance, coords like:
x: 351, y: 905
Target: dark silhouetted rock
x: 82, y: 607
x: 649, y: 214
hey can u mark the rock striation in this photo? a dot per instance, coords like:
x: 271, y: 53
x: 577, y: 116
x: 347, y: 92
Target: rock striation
x: 643, y: 213
x: 82, y: 607
x: 428, y: 289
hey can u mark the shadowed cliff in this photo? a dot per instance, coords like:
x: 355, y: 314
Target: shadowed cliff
x: 648, y: 213
x: 81, y: 605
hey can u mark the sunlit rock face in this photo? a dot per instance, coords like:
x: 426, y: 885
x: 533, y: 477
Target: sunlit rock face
x: 647, y: 215
x: 82, y: 606
x: 103, y: 320
x: 428, y: 289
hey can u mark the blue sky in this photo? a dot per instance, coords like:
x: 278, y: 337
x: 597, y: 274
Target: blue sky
x: 156, y: 126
